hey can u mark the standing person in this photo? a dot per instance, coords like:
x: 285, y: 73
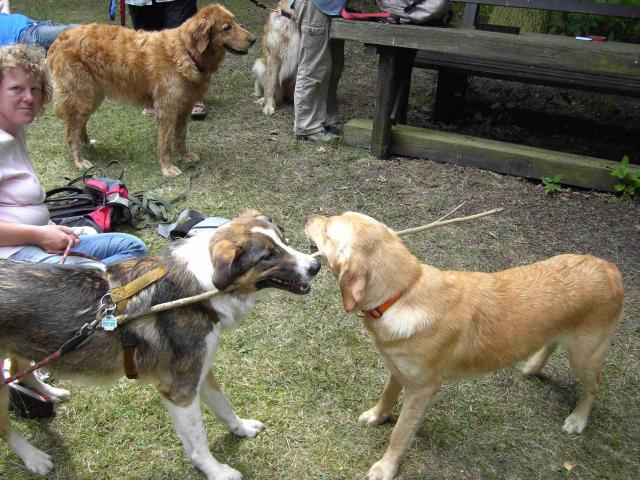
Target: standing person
x: 319, y: 70
x: 17, y: 28
x: 153, y: 15
x: 25, y: 230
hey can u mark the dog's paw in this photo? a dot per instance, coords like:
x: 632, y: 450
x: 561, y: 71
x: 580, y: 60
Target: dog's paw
x: 259, y: 100
x: 269, y: 109
x: 171, y: 171
x: 225, y: 472
x: 247, y: 428
x: 83, y: 164
x: 383, y: 470
x: 92, y: 142
x: 372, y: 418
x: 36, y: 461
x: 574, y: 423
x: 190, y: 157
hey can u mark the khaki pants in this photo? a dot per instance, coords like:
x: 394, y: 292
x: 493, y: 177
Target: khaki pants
x: 319, y: 70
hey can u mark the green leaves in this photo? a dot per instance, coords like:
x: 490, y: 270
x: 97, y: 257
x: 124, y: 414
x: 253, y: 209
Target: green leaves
x: 551, y: 185
x: 629, y: 180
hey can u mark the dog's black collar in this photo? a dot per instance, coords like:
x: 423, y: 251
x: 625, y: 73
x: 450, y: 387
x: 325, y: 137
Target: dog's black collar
x: 285, y: 14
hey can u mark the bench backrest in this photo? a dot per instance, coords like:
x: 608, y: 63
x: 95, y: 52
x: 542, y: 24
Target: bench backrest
x: 573, y: 6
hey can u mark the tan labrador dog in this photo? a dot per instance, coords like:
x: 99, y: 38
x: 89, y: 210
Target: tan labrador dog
x: 432, y: 325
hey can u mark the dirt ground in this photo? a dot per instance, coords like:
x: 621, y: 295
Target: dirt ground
x: 604, y: 126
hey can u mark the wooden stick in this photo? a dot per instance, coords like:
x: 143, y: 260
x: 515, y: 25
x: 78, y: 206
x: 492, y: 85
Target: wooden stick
x: 161, y: 307
x: 440, y: 222
x: 182, y: 302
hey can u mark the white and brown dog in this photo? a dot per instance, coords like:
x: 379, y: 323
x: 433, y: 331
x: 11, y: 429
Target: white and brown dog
x: 276, y: 70
x: 43, y: 306
x: 432, y: 325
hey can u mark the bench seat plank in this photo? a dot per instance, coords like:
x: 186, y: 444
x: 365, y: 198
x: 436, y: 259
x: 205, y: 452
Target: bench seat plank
x: 611, y: 67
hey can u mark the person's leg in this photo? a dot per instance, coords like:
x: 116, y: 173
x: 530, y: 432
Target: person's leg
x: 111, y: 247
x: 31, y: 253
x: 312, y: 81
x: 146, y: 17
x: 43, y: 33
x: 337, y: 65
x: 177, y: 12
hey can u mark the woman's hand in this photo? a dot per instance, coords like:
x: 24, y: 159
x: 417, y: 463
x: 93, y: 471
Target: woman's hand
x: 55, y: 237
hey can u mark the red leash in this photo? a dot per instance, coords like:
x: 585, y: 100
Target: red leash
x: 70, y: 344
x: 67, y: 251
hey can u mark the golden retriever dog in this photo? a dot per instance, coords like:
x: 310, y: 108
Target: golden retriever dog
x: 168, y: 70
x: 276, y: 70
x: 432, y: 325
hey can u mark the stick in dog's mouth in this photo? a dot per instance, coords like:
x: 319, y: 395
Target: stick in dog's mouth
x: 297, y: 287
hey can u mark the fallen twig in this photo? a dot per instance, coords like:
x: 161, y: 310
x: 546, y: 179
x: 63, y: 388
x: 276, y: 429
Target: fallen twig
x: 441, y: 222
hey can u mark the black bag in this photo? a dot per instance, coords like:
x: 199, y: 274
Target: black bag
x: 102, y: 202
x: 28, y: 403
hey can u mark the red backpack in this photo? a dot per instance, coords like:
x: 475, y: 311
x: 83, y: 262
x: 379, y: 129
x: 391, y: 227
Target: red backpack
x: 102, y: 202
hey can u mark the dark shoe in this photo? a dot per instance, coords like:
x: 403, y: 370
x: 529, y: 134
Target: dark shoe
x: 198, y: 112
x: 336, y: 128
x: 28, y: 403
x: 321, y: 137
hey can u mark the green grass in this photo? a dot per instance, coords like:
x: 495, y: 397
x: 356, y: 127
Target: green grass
x: 300, y: 364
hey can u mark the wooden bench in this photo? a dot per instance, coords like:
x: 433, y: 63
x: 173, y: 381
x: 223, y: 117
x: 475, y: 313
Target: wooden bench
x: 606, y: 67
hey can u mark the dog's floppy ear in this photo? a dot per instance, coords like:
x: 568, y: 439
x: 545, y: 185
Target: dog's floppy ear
x: 353, y: 283
x: 198, y: 34
x: 225, y: 256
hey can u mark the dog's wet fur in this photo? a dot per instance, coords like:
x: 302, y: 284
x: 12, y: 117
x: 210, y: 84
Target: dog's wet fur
x: 42, y: 306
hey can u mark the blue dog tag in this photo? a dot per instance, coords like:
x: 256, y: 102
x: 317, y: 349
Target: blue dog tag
x: 109, y: 323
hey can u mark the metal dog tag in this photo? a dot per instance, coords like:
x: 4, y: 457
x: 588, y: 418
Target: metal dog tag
x: 109, y: 322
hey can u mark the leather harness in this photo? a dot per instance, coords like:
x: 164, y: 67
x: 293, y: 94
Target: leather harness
x: 120, y: 296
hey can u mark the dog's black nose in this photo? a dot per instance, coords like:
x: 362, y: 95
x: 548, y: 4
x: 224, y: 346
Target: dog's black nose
x: 314, y: 268
x: 252, y: 40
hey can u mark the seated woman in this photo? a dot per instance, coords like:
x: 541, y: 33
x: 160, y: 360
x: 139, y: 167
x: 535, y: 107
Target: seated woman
x: 17, y: 28
x: 25, y: 230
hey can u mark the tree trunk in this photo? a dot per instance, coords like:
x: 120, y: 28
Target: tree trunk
x: 528, y: 20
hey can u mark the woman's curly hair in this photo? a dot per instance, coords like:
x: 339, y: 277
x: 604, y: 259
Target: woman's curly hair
x: 30, y: 58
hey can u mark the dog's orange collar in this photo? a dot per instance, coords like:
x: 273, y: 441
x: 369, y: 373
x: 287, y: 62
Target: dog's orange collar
x: 380, y: 309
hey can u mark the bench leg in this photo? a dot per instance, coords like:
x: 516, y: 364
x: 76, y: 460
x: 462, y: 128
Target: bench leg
x: 393, y: 62
x: 450, y: 84
x: 399, y: 114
